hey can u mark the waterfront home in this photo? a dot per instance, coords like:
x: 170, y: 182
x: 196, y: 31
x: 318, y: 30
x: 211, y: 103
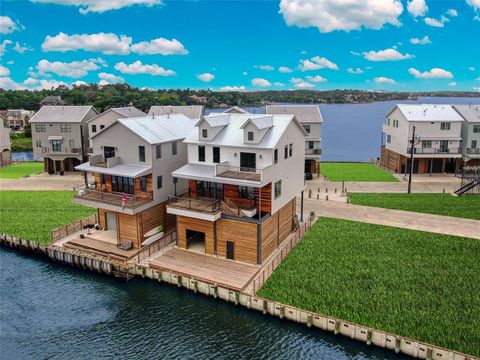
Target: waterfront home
x: 52, y: 100
x: 437, y: 143
x: 60, y: 136
x: 17, y: 118
x: 244, y: 172
x: 132, y: 164
x: 470, y: 133
x: 236, y: 110
x: 190, y: 111
x: 5, y: 144
x: 311, y: 119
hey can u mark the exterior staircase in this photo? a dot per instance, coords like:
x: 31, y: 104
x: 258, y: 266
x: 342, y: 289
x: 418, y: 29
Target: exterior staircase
x: 472, y: 187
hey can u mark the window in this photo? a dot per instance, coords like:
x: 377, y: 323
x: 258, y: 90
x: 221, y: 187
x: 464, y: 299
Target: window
x: 159, y: 181
x: 307, y: 128
x: 204, y: 133
x: 174, y: 148
x: 94, y: 128
x: 250, y: 136
x: 290, y: 150
x: 71, y: 143
x: 141, y: 153
x: 474, y: 144
x: 40, y: 128
x: 389, y: 138
x: 275, y: 156
x: 143, y: 183
x: 102, y: 179
x: 65, y: 128
x: 246, y: 192
x: 427, y: 144
x: 286, y: 151
x: 38, y: 143
x: 201, y: 153
x: 158, y: 151
x: 57, y: 145
x: 388, y: 121
x: 311, y: 144
x: 123, y: 184
x: 216, y: 154
x: 278, y: 189
x: 102, y: 127
x: 444, y: 126
x: 476, y: 128
x: 108, y: 152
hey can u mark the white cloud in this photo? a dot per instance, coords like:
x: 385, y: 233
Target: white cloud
x: 452, y: 12
x: 383, y: 80
x: 264, y: 67
x: 205, y: 77
x: 386, y: 55
x: 74, y: 69
x: 471, y: 68
x: 453, y: 83
x: 476, y: 88
x: 433, y: 22
x: 278, y: 83
x: 474, y: 3
x: 300, y: 83
x: 79, y: 83
x: 7, y: 25
x: 355, y: 71
x: 433, y: 73
x: 21, y: 48
x: 423, y: 41
x: 284, y: 69
x: 330, y: 15
x: 417, y: 7
x: 3, y: 46
x: 100, y: 6
x: 30, y: 84
x: 303, y: 52
x: 4, y: 71
x: 138, y: 68
x: 477, y: 79
x: 232, y: 88
x: 317, y: 63
x: 476, y: 18
x: 10, y: 62
x: 106, y: 78
x: 105, y: 43
x: 245, y: 73
x: 261, y: 82
x: 160, y: 46
x: 316, y: 79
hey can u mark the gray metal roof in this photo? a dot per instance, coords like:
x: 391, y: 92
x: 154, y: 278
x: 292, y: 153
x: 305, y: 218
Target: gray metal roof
x: 127, y: 170
x: 124, y: 112
x: 262, y: 122
x: 61, y: 114
x: 236, y: 110
x: 428, y: 112
x: 305, y: 114
x: 191, y: 111
x: 470, y: 113
x: 218, y: 120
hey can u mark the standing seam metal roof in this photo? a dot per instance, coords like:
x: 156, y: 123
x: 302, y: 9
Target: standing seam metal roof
x: 192, y: 111
x: 61, y: 114
x: 470, y: 113
x: 309, y: 114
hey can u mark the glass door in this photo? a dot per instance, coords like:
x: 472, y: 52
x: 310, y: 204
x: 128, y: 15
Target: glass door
x: 444, y: 146
x: 248, y: 162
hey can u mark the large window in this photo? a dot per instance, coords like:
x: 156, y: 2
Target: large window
x: 102, y: 179
x: 275, y: 156
x: 123, y: 184
x: 57, y: 145
x: 141, y: 153
x: 94, y: 128
x: 71, y: 143
x: 278, y: 189
x: 389, y: 138
x: 311, y: 144
x: 201, y: 153
x: 158, y: 151
x: 474, y: 144
x: 246, y: 192
x: 143, y: 183
x: 108, y: 152
x: 38, y: 143
x: 209, y: 190
x: 444, y: 126
x: 307, y: 128
x: 216, y: 154
x: 174, y: 148
x: 40, y: 128
x: 427, y: 144
x: 159, y: 182
x: 250, y: 136
x: 65, y: 128
x: 476, y: 128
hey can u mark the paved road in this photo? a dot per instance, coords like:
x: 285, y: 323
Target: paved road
x: 43, y: 182
x: 397, y: 218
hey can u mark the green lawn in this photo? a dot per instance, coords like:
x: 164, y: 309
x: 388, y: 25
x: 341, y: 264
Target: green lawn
x: 20, y: 142
x: 32, y: 214
x: 355, y: 172
x: 16, y: 171
x: 442, y: 204
x: 415, y: 284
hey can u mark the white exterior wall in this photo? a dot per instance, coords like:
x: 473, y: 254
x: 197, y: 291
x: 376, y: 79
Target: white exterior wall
x: 315, y: 135
x: 211, y: 132
x: 105, y: 119
x: 468, y: 136
x: 54, y: 129
x: 257, y: 134
x: 4, y: 138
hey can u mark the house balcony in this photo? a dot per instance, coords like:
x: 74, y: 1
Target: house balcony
x: 198, y: 208
x: 436, y: 152
x: 113, y: 166
x: 47, y: 150
x: 473, y: 151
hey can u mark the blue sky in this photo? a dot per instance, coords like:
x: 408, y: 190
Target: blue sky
x: 253, y: 45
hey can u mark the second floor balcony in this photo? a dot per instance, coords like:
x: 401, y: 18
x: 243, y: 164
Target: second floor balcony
x: 435, y: 151
x: 63, y: 150
x: 314, y: 151
x: 473, y: 151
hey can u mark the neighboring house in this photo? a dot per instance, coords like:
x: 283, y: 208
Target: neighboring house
x: 5, y: 145
x: 437, y: 139
x: 52, y: 100
x: 235, y: 110
x: 190, y: 111
x: 135, y: 157
x: 470, y: 133
x: 199, y: 99
x: 17, y: 118
x: 244, y: 172
x: 60, y: 136
x: 311, y: 119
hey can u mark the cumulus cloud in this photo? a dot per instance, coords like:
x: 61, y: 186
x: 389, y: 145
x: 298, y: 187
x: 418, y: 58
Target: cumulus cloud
x: 386, y: 55
x: 74, y: 69
x: 423, y: 41
x: 160, y: 46
x: 471, y: 68
x: 355, y: 71
x: 261, y: 82
x: 264, y: 67
x: 476, y: 88
x: 7, y: 25
x: 284, y: 69
x: 21, y: 48
x: 417, y: 7
x: 79, y: 83
x: 452, y: 12
x: 106, y: 78
x: 432, y: 74
x: 138, y: 68
x: 4, y: 71
x: 317, y: 63
x: 105, y: 43
x: 245, y: 73
x: 205, y: 77
x: 328, y: 15
x: 316, y: 79
x: 453, y: 83
x: 474, y: 3
x: 300, y: 83
x: 383, y: 80
x: 100, y: 6
x: 3, y: 46
x: 278, y: 83
x: 232, y: 88
x: 8, y: 83
x: 434, y: 22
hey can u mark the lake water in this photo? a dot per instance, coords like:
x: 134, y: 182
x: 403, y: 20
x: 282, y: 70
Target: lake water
x: 353, y: 132
x: 56, y: 312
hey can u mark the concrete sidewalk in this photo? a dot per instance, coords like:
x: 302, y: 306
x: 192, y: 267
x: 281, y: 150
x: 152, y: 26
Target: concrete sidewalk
x: 43, y: 182
x: 396, y: 218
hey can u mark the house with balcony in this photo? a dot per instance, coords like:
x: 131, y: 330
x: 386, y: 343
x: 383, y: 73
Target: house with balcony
x: 190, y: 111
x: 60, y: 136
x: 132, y: 164
x: 437, y: 139
x: 18, y: 118
x: 5, y: 144
x: 470, y: 134
x: 311, y: 119
x: 243, y: 175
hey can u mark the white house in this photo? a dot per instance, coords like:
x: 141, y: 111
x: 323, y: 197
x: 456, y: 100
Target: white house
x: 437, y: 145
x: 190, y: 111
x: 5, y: 144
x: 470, y: 133
x: 108, y: 117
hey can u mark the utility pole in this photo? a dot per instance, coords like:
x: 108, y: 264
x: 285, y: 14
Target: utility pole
x: 412, y: 149
x: 85, y: 177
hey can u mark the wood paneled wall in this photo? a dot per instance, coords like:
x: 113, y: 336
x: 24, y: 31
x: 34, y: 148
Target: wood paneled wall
x: 285, y: 219
x: 242, y: 234
x: 192, y: 186
x: 206, y: 227
x: 269, y: 235
x: 138, y: 187
x: 391, y: 160
x: 266, y: 195
x: 108, y: 182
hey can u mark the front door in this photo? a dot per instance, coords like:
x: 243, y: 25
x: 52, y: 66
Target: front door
x: 230, y: 250
x: 248, y: 161
x: 111, y: 219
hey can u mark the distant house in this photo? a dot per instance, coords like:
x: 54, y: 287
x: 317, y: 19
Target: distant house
x: 5, y: 145
x: 190, y: 111
x: 17, y: 118
x: 311, y: 119
x: 199, y: 99
x: 52, y: 100
x: 470, y: 133
x: 60, y: 136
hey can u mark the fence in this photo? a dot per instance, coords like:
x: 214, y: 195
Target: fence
x: 274, y: 261
x: 71, y: 228
x: 157, y: 245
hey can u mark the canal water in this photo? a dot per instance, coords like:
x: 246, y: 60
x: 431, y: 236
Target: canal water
x: 48, y: 311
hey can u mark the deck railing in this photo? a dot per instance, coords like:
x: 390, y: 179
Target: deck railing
x: 434, y: 151
x: 111, y: 198
x: 65, y: 230
x: 473, y: 151
x: 147, y: 251
x: 241, y: 172
x: 205, y: 205
x: 313, y: 151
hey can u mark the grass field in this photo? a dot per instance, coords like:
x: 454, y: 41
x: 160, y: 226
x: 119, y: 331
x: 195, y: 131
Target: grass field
x: 32, y: 214
x: 355, y: 172
x: 16, y: 171
x: 411, y: 283
x: 440, y: 204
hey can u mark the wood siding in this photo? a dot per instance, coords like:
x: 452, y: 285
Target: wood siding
x: 138, y: 188
x: 206, y: 227
x: 127, y: 229
x: 192, y: 187
x: 285, y: 216
x: 391, y: 160
x: 244, y: 236
x: 269, y: 235
x: 266, y: 195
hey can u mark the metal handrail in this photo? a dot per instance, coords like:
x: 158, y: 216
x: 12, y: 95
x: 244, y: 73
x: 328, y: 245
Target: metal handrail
x: 434, y: 151
x: 194, y: 203
x: 113, y: 198
x: 473, y: 151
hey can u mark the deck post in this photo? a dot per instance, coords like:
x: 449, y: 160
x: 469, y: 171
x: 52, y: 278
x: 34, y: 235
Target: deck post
x: 301, y: 207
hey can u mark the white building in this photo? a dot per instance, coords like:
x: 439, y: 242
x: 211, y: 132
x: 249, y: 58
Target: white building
x: 5, y: 144
x: 470, y: 133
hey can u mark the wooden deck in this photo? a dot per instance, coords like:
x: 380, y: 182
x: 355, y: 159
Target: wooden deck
x: 241, y: 175
x: 113, y: 198
x: 227, y: 273
x: 102, y: 247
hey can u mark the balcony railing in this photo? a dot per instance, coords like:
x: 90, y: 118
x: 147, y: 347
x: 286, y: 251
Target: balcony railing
x: 63, y: 150
x: 313, y: 151
x: 473, y: 151
x: 204, y: 205
x: 111, y: 198
x: 434, y: 151
x: 240, y: 172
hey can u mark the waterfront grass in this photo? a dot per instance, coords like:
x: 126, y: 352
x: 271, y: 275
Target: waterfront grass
x: 16, y: 171
x: 355, y: 172
x: 32, y: 214
x: 411, y: 283
x: 467, y: 206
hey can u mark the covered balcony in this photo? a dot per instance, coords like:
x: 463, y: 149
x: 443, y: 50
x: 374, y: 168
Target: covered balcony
x: 199, y: 208
x: 435, y: 151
